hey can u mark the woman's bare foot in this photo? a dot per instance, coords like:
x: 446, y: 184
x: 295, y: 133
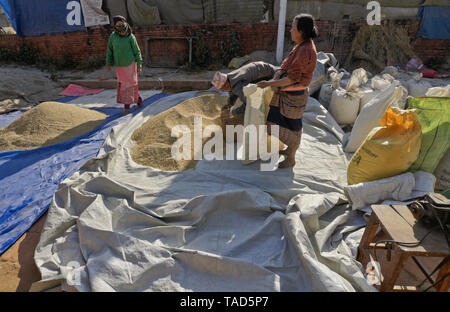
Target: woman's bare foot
x: 288, y: 162
x: 125, y: 112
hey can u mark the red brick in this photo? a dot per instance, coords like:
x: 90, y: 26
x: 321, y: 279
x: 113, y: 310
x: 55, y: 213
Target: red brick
x: 255, y: 36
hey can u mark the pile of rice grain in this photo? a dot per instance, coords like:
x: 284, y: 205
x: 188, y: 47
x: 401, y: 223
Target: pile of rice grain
x: 154, y: 141
x: 47, y: 124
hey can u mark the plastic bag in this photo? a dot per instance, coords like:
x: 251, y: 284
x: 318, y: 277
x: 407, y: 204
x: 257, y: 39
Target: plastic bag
x: 368, y: 95
x: 325, y: 94
x: 439, y: 91
x: 391, y: 70
x: 237, y: 62
x: 249, y: 89
x: 333, y: 61
x: 320, y: 73
x: 401, y: 102
x: 365, y: 194
x: 344, y: 106
x: 256, y: 112
x: 388, y: 77
x: 388, y: 150
x: 379, y: 83
x: 359, y: 77
x: 418, y: 88
x: 326, y: 91
x: 370, y: 115
x: 434, y: 115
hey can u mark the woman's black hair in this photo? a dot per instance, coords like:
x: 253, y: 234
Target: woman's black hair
x: 119, y: 18
x: 305, y: 24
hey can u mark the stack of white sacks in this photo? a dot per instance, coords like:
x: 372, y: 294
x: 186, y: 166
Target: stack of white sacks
x: 346, y: 95
x: 360, y: 100
x: 343, y: 91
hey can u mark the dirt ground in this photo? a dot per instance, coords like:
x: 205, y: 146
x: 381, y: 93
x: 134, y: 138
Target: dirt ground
x: 17, y: 268
x: 45, y: 86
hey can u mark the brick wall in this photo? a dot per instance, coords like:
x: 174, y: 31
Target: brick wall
x: 335, y: 37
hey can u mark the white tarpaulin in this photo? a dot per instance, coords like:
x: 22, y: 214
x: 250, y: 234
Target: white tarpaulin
x: 93, y: 14
x: 107, y: 99
x: 223, y: 226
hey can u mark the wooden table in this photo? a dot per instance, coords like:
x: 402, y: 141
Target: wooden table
x: 398, y: 224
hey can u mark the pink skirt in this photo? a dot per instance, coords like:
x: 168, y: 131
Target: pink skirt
x: 127, y: 84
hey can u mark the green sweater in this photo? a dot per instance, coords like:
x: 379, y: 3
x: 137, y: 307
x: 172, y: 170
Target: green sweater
x: 122, y: 51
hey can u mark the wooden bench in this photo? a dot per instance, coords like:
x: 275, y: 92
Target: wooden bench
x: 398, y: 224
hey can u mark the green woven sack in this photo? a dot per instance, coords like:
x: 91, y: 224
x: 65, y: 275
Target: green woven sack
x: 434, y: 116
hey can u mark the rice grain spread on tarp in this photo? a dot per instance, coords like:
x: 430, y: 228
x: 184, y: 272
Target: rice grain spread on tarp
x: 154, y: 141
x: 47, y: 124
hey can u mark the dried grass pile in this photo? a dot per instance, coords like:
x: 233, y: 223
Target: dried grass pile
x: 375, y: 46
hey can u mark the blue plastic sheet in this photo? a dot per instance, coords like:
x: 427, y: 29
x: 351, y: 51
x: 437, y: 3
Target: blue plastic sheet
x: 9, y: 11
x: 435, y: 22
x: 6, y: 119
x: 28, y: 179
x: 38, y: 17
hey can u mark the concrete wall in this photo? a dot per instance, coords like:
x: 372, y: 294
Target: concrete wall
x: 332, y: 11
x: 238, y: 11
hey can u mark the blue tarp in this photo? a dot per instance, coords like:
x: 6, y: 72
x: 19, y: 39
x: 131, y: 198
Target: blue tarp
x: 8, y: 9
x: 37, y: 17
x: 435, y: 22
x: 6, y: 119
x: 28, y: 179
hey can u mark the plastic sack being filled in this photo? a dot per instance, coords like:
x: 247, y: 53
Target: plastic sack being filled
x: 256, y: 112
x: 388, y: 150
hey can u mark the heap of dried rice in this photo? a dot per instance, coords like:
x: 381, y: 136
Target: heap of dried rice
x: 154, y: 141
x: 375, y: 46
x: 47, y: 124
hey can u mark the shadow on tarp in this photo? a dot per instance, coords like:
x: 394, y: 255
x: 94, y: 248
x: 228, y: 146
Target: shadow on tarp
x: 28, y: 179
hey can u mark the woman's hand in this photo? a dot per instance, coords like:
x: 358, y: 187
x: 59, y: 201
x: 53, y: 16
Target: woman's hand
x: 263, y: 84
x: 108, y: 67
x: 139, y: 70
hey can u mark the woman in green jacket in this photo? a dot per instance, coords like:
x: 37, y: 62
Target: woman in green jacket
x: 124, y: 54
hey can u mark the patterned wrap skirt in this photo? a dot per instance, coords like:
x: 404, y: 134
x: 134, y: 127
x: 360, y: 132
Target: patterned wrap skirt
x: 127, y: 84
x: 286, y: 111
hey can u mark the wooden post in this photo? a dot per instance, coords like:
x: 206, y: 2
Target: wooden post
x: 444, y: 285
x: 281, y: 29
